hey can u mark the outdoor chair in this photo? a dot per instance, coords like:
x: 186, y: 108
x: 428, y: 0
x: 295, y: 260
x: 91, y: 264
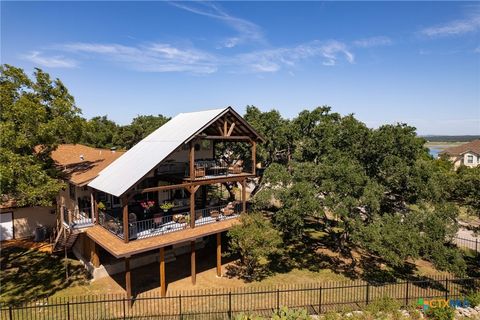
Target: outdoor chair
x: 228, y: 210
x: 157, y: 219
x: 199, y: 172
x: 215, y: 214
x: 236, y: 168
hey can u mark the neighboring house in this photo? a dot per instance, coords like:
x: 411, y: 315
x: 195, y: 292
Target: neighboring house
x: 80, y: 164
x: 176, y: 164
x: 467, y: 154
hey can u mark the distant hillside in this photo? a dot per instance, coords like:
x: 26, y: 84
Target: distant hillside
x: 450, y: 138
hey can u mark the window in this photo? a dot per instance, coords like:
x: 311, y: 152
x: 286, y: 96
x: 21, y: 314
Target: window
x: 71, y: 190
x: 469, y: 158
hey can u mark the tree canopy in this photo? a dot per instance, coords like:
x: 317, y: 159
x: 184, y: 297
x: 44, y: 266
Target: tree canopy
x: 36, y: 115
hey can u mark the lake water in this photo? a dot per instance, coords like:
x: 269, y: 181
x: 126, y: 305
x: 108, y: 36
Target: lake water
x: 434, y: 151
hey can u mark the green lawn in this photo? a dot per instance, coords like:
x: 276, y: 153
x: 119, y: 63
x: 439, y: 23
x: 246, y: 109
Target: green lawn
x: 29, y: 273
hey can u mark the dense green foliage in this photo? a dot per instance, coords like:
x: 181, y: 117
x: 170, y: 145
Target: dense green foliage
x: 41, y: 112
x: 255, y: 241
x: 444, y: 313
x: 377, y: 189
x: 33, y: 112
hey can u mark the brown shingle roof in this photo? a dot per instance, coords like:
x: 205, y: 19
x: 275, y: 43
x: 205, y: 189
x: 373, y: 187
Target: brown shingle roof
x: 82, y: 163
x: 472, y: 146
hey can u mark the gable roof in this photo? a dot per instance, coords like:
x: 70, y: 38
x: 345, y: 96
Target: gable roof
x: 137, y: 162
x: 472, y: 146
x: 68, y: 158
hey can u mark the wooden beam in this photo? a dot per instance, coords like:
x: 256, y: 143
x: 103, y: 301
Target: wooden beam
x: 192, y: 262
x: 192, y: 160
x: 219, y: 254
x: 238, y: 138
x: 254, y: 157
x: 94, y: 258
x: 220, y: 130
x: 244, y: 196
x: 225, y: 125
x: 231, y: 129
x: 128, y: 280
x: 163, y: 286
x: 188, y: 184
x: 126, y: 233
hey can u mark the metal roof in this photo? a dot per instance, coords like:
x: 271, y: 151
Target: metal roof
x: 137, y: 162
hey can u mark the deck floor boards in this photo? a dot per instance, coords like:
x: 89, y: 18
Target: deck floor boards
x: 120, y: 249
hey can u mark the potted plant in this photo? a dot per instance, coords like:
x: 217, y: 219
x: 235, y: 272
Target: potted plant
x: 101, y: 212
x: 147, y: 205
x: 166, y: 206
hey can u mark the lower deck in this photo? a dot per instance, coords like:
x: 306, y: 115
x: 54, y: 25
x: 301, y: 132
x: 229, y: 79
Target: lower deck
x: 119, y: 249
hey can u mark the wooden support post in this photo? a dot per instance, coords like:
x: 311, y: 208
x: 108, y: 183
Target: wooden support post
x: 192, y: 160
x: 254, y: 157
x: 128, y: 280
x: 163, y: 286
x: 219, y: 254
x: 192, y: 190
x: 126, y: 230
x: 244, y: 196
x: 94, y: 207
x: 192, y: 262
x: 94, y: 258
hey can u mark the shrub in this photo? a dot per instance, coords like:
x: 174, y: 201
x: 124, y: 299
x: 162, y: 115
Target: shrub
x: 474, y: 298
x: 384, y: 304
x: 255, y: 240
x: 243, y: 316
x: 291, y: 314
x: 440, y: 313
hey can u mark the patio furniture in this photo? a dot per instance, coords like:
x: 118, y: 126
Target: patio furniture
x: 215, y: 214
x: 217, y: 170
x: 157, y: 219
x: 228, y: 210
x: 179, y: 218
x: 199, y: 171
x: 236, y: 168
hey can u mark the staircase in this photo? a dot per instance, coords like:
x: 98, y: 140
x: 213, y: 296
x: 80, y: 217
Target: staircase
x: 65, y: 239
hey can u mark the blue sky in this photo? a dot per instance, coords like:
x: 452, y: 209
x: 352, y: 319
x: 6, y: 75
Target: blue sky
x: 386, y: 62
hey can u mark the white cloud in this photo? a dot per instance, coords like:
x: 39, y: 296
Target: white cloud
x: 456, y: 27
x: 274, y: 59
x: 153, y: 57
x: 49, y: 62
x: 247, y: 31
x: 373, y: 42
x: 165, y: 57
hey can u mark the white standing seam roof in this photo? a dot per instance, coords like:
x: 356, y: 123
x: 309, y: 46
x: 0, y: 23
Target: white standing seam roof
x: 132, y: 166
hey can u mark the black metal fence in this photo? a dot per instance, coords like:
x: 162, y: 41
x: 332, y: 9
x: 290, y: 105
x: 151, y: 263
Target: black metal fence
x: 225, y: 304
x: 471, y: 244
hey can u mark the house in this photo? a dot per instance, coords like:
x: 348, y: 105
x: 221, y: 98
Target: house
x: 164, y: 196
x: 467, y: 154
x: 79, y: 165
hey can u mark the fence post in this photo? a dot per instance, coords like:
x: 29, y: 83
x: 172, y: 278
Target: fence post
x: 367, y: 295
x: 230, y: 305
x: 68, y: 310
x: 406, y: 294
x: 180, y: 306
x: 10, y: 314
x: 278, y: 300
x: 446, y: 288
x: 124, y: 311
x: 320, y: 300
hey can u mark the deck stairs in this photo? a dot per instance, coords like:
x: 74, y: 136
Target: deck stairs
x: 65, y: 239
